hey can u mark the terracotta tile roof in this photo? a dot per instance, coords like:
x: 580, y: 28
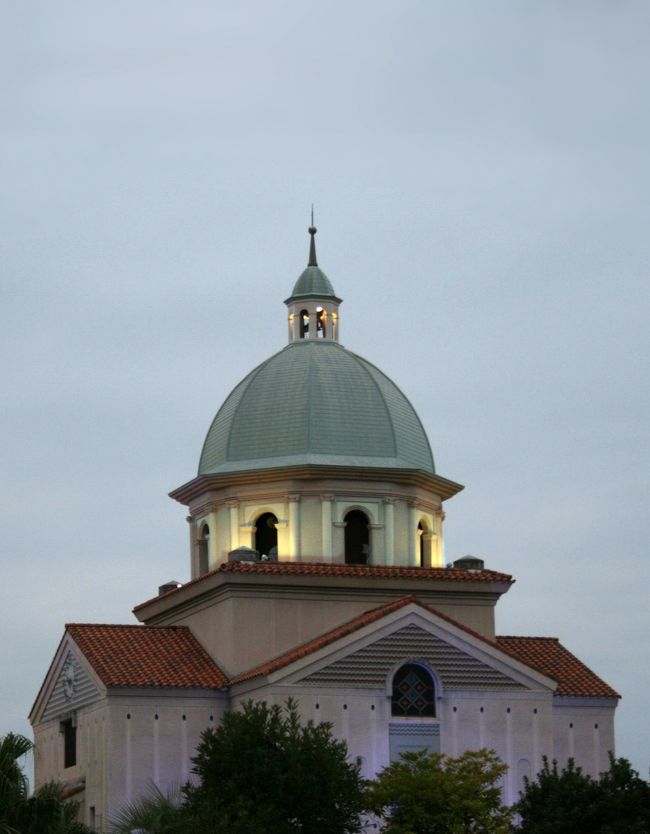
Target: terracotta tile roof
x: 548, y: 655
x: 135, y: 655
x: 328, y: 569
x: 544, y: 654
x: 348, y: 628
x: 378, y: 571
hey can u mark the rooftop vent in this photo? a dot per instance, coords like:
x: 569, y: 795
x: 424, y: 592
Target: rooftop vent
x: 469, y: 563
x: 168, y: 586
x: 244, y: 554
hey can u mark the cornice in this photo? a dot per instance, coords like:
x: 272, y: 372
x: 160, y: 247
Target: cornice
x: 203, y: 484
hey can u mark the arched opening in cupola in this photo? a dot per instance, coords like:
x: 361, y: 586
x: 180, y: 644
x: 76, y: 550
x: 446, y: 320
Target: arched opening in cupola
x: 204, y: 549
x: 424, y: 536
x: 357, y: 538
x: 266, y: 535
x: 304, y: 324
x: 321, y: 319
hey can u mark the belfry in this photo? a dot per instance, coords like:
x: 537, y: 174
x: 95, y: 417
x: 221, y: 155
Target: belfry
x: 317, y: 571
x: 316, y: 456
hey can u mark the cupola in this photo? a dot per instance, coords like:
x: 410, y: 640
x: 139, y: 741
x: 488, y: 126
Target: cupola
x: 313, y: 304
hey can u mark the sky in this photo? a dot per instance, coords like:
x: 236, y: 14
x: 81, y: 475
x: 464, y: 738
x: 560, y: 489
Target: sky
x: 481, y: 186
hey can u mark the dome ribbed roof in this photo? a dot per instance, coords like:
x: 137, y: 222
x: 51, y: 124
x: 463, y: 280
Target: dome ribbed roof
x: 313, y: 281
x: 315, y: 403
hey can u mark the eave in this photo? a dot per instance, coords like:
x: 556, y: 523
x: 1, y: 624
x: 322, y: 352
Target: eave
x: 203, y: 484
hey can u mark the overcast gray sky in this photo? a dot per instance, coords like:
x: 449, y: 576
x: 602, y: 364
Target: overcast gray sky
x: 481, y: 180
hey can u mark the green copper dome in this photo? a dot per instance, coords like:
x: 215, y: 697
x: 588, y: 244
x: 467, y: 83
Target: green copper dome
x: 313, y: 281
x: 315, y: 403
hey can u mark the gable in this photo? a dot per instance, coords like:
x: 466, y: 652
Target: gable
x: 369, y: 666
x: 72, y: 689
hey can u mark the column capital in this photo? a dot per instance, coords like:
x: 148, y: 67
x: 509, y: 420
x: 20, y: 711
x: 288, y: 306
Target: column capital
x: 293, y: 498
x: 388, y: 500
x: 326, y: 497
x: 231, y: 502
x: 412, y: 502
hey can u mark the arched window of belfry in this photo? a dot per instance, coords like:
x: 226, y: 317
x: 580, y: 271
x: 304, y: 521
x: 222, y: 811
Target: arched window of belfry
x: 320, y: 323
x: 266, y: 535
x: 357, y: 538
x: 304, y: 324
x: 414, y: 692
x: 424, y: 545
x: 204, y: 549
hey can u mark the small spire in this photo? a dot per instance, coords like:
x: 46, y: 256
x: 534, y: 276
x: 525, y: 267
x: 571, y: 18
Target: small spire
x: 312, y: 245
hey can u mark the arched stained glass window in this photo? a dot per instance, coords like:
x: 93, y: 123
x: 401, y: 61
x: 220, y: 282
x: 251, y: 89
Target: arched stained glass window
x: 413, y: 692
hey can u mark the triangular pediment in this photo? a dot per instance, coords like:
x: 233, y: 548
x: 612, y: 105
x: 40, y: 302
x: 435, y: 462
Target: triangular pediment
x: 370, y: 665
x: 363, y: 653
x: 68, y: 686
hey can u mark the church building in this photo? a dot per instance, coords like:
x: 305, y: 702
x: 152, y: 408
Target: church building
x: 317, y: 572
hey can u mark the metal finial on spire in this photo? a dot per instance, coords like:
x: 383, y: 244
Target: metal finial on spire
x: 312, y: 245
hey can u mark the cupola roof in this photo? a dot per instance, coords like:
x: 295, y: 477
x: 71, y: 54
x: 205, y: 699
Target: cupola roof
x: 315, y: 403
x: 312, y: 283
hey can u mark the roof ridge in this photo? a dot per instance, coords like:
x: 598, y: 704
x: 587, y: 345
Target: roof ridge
x: 362, y: 364
x: 395, y: 385
x: 249, y: 378
x: 126, y: 625
x: 524, y: 637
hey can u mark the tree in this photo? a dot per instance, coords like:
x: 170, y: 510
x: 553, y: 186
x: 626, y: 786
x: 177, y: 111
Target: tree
x: 153, y: 813
x: 571, y: 802
x: 430, y: 793
x: 263, y: 772
x: 44, y: 811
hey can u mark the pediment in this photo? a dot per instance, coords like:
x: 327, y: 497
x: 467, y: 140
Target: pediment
x: 369, y: 666
x: 68, y: 686
x: 461, y: 659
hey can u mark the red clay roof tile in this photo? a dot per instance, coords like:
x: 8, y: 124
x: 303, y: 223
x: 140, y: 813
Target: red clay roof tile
x: 142, y: 656
x: 135, y: 655
x: 329, y: 569
x: 545, y: 654
x: 548, y: 655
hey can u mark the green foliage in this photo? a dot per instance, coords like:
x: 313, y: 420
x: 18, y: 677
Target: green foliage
x: 429, y: 793
x: 263, y: 772
x: 571, y: 802
x: 153, y: 813
x: 42, y: 813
